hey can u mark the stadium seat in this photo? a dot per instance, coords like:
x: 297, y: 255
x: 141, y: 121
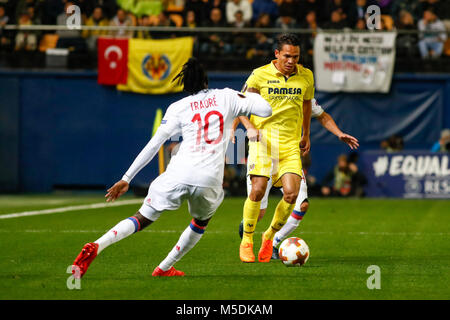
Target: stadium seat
x: 388, y: 21
x: 171, y: 7
x: 177, y: 19
x: 48, y: 41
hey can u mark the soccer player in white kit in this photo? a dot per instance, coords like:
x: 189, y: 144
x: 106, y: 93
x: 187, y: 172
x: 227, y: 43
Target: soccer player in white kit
x: 195, y: 173
x: 301, y: 204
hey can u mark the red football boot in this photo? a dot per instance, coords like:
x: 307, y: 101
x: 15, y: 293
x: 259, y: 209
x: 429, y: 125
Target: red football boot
x: 172, y: 272
x: 84, y: 259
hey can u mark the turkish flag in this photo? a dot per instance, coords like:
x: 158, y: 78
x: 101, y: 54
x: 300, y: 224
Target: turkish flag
x: 112, y: 61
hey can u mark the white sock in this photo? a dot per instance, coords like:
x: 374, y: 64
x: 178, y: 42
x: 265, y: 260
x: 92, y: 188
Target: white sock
x: 291, y: 224
x: 188, y: 239
x: 120, y: 231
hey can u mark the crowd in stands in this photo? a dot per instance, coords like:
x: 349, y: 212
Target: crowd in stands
x: 421, y: 15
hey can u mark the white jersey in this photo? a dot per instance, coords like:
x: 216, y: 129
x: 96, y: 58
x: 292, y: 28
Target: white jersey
x: 316, y: 109
x: 204, y: 121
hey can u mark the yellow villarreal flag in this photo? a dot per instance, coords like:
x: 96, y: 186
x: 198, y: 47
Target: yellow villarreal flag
x: 152, y: 64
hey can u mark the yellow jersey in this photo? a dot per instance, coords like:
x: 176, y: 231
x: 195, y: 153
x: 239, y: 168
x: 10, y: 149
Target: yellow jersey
x: 285, y: 95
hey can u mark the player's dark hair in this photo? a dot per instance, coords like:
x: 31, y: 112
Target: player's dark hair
x: 287, y: 38
x: 193, y: 77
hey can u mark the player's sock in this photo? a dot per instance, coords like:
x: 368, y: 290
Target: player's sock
x: 120, y: 231
x: 279, y: 219
x: 291, y: 224
x: 187, y: 241
x: 251, y: 212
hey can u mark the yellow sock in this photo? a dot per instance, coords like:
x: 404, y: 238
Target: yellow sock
x: 251, y: 212
x: 282, y: 213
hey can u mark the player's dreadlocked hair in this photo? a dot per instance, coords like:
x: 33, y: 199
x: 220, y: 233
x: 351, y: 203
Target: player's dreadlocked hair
x: 193, y: 77
x: 287, y: 38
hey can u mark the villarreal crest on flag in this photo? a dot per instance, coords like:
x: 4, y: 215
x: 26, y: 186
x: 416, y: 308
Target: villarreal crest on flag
x: 152, y: 64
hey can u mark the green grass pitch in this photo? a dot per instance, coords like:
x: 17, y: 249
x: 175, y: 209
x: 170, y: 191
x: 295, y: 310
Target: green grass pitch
x: 408, y: 239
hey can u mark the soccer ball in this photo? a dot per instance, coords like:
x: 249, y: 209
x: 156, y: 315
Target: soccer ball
x: 293, y: 252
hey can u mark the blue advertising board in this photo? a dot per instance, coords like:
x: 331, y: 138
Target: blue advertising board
x: 410, y: 174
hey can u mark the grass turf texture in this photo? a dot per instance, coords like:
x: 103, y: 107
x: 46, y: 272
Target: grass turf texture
x: 407, y: 239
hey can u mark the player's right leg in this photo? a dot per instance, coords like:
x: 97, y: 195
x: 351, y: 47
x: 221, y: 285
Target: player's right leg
x: 251, y: 211
x: 264, y: 203
x: 120, y: 231
x: 164, y: 194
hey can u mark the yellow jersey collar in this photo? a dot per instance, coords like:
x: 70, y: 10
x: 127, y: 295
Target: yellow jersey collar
x: 277, y: 72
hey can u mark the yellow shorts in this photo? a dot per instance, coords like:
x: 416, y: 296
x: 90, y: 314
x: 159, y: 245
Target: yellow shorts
x: 268, y: 162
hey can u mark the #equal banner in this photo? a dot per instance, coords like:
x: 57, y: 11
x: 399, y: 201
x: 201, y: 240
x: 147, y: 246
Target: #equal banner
x: 413, y: 174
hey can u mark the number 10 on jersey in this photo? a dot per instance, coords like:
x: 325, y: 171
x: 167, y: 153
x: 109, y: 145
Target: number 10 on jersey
x: 197, y: 118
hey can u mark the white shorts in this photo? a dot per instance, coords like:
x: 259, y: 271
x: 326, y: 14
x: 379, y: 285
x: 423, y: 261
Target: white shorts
x: 165, y: 193
x: 302, y: 194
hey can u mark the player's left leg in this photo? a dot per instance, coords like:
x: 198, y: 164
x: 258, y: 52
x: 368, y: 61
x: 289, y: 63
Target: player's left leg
x: 203, y: 203
x: 263, y: 206
x: 291, y: 186
x: 301, y: 206
x: 188, y: 239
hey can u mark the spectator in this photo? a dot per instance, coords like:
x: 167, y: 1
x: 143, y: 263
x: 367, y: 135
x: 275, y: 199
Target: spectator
x: 387, y: 23
x: 22, y: 5
x: 143, y: 21
x: 25, y: 40
x: 285, y: 21
x: 438, y: 6
x: 337, y: 21
x: 3, y: 17
x: 406, y: 43
x: 163, y: 21
x: 431, y: 44
x: 306, y: 6
x: 443, y: 144
x: 263, y: 42
x: 200, y: 8
x: 411, y: 6
x: 308, y: 39
x: 333, y: 5
x: 239, y: 5
x: 358, y: 11
x: 289, y: 7
x: 215, y: 43
x: 260, y: 7
x: 190, y: 22
x: 240, y: 39
x: 61, y: 20
x: 122, y: 20
x: 96, y: 19
x: 360, y: 25
x: 220, y: 4
x: 393, y: 144
x: 338, y: 182
x: 109, y: 7
x: 5, y: 40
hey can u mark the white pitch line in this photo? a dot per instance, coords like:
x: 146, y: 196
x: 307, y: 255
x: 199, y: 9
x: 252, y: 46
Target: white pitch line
x: 70, y: 208
x: 229, y: 232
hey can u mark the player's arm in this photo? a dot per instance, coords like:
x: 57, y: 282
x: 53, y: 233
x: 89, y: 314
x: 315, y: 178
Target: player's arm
x: 234, y: 125
x: 327, y: 121
x: 252, y: 132
x: 143, y: 158
x: 305, y: 143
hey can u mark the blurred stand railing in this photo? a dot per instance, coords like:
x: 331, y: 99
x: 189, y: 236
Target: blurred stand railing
x: 220, y: 49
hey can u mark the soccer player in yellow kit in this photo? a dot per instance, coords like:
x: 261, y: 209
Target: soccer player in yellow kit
x: 289, y: 88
